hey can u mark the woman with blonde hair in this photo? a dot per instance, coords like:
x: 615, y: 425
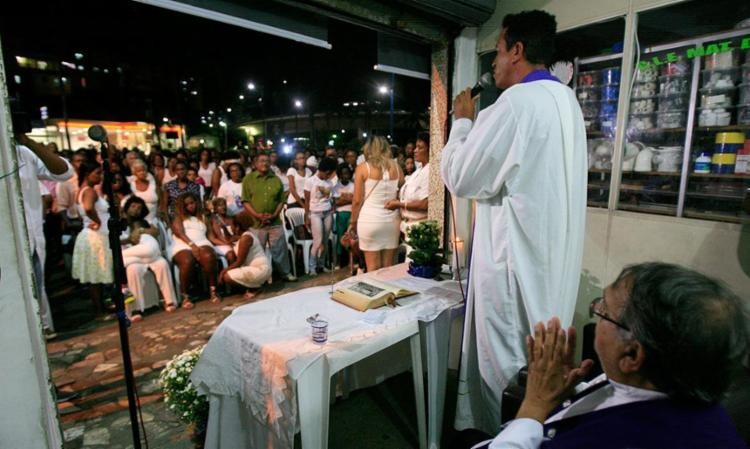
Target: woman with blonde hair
x: 376, y: 182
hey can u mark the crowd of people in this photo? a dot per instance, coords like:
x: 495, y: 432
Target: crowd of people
x: 212, y: 218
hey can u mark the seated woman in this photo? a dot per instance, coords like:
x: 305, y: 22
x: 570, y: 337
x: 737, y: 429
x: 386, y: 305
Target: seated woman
x: 191, y: 245
x: 222, y: 230
x: 142, y: 255
x: 251, y: 269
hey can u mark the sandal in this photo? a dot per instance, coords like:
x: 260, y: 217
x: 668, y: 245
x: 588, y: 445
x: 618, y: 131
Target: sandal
x: 135, y: 318
x: 186, y: 303
x: 214, y: 298
x: 170, y: 308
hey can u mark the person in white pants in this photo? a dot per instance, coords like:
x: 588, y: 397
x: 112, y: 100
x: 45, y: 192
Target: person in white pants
x: 142, y: 256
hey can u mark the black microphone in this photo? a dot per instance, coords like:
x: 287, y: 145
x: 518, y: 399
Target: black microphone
x: 98, y: 133
x: 485, y: 81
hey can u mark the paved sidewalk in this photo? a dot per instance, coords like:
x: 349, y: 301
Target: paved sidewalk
x: 86, y: 361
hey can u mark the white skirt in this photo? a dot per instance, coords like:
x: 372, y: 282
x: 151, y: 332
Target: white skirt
x: 92, y: 258
x: 251, y: 276
x: 377, y: 236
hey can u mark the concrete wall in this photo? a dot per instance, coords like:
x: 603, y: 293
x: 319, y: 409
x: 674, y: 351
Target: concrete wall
x: 28, y: 415
x: 616, y: 239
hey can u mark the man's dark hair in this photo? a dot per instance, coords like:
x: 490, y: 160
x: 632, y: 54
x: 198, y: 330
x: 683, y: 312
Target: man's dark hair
x: 536, y: 31
x: 693, y: 330
x: 238, y: 165
x: 424, y: 137
x: 327, y: 164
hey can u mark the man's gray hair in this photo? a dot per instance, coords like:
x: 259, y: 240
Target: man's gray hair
x: 693, y: 328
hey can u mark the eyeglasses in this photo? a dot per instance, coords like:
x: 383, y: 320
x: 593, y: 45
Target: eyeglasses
x: 594, y: 308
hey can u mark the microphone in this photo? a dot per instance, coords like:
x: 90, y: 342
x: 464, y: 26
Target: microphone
x: 485, y: 81
x: 98, y: 133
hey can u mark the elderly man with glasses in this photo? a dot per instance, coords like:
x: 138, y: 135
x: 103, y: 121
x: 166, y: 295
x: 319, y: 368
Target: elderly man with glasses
x: 670, y: 341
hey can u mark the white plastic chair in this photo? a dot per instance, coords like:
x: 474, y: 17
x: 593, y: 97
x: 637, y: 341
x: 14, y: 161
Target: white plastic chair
x: 296, y: 217
x: 288, y: 234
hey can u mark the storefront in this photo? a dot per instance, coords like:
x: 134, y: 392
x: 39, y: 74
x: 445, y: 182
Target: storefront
x: 665, y: 90
x: 75, y: 134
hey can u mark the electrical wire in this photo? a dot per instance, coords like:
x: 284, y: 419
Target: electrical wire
x: 140, y: 415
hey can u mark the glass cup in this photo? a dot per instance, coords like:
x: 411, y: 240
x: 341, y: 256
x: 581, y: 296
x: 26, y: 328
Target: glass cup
x: 319, y: 331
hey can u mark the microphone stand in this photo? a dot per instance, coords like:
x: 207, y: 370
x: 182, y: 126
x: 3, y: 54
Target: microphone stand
x: 115, y: 225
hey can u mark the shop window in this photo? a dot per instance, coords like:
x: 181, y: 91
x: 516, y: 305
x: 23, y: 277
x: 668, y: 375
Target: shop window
x: 597, y: 52
x: 687, y: 142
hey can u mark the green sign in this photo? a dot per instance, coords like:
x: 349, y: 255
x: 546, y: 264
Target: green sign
x: 697, y: 51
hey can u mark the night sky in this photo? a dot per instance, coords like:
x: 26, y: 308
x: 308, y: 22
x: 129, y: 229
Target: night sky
x: 158, y: 49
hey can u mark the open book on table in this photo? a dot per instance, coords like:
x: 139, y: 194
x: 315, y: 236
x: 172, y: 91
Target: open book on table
x: 369, y: 294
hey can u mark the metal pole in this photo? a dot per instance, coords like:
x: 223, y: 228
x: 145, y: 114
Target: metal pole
x: 119, y: 270
x: 390, y: 117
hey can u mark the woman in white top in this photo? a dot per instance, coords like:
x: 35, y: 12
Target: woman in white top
x: 297, y: 174
x: 206, y: 167
x: 191, y: 244
x: 343, y: 192
x: 375, y: 183
x: 231, y: 190
x: 169, y: 171
x: 319, y: 211
x: 251, y: 269
x: 414, y: 194
x: 144, y: 187
x: 92, y: 258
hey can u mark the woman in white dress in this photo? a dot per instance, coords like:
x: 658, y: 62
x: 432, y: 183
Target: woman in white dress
x: 144, y: 187
x: 92, y: 258
x: 191, y: 245
x: 206, y: 167
x: 252, y: 267
x: 375, y: 183
x: 297, y: 175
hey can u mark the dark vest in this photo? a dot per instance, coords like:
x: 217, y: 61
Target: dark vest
x: 657, y: 424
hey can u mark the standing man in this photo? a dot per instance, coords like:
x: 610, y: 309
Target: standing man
x: 524, y: 162
x: 36, y: 162
x: 263, y: 198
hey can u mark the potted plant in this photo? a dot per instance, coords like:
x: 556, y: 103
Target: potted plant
x: 181, y: 396
x: 423, y: 237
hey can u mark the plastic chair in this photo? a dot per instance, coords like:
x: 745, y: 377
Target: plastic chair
x: 296, y: 217
x: 288, y: 235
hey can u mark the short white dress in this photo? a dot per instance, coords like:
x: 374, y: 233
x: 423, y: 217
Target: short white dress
x: 378, y: 227
x: 92, y: 258
x: 195, y: 230
x: 256, y: 268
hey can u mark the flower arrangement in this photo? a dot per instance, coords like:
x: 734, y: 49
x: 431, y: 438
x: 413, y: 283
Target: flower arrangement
x: 424, y: 238
x: 179, y: 393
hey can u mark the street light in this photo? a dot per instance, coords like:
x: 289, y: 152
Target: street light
x: 297, y: 104
x: 383, y: 89
x: 241, y: 97
x: 223, y: 124
x: 250, y: 86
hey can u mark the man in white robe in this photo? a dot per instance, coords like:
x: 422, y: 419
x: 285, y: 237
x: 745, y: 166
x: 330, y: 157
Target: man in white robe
x: 524, y: 162
x: 36, y: 162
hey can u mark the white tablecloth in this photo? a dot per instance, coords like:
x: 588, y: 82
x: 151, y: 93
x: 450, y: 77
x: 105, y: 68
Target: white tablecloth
x: 260, y: 350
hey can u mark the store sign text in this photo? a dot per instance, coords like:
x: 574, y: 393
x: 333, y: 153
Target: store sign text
x: 697, y: 51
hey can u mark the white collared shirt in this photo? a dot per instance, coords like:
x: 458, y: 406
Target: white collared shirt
x: 415, y: 188
x: 527, y: 433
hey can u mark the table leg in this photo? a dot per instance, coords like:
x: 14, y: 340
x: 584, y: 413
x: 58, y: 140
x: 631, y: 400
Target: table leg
x: 437, y: 336
x: 416, y: 366
x: 313, y: 390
